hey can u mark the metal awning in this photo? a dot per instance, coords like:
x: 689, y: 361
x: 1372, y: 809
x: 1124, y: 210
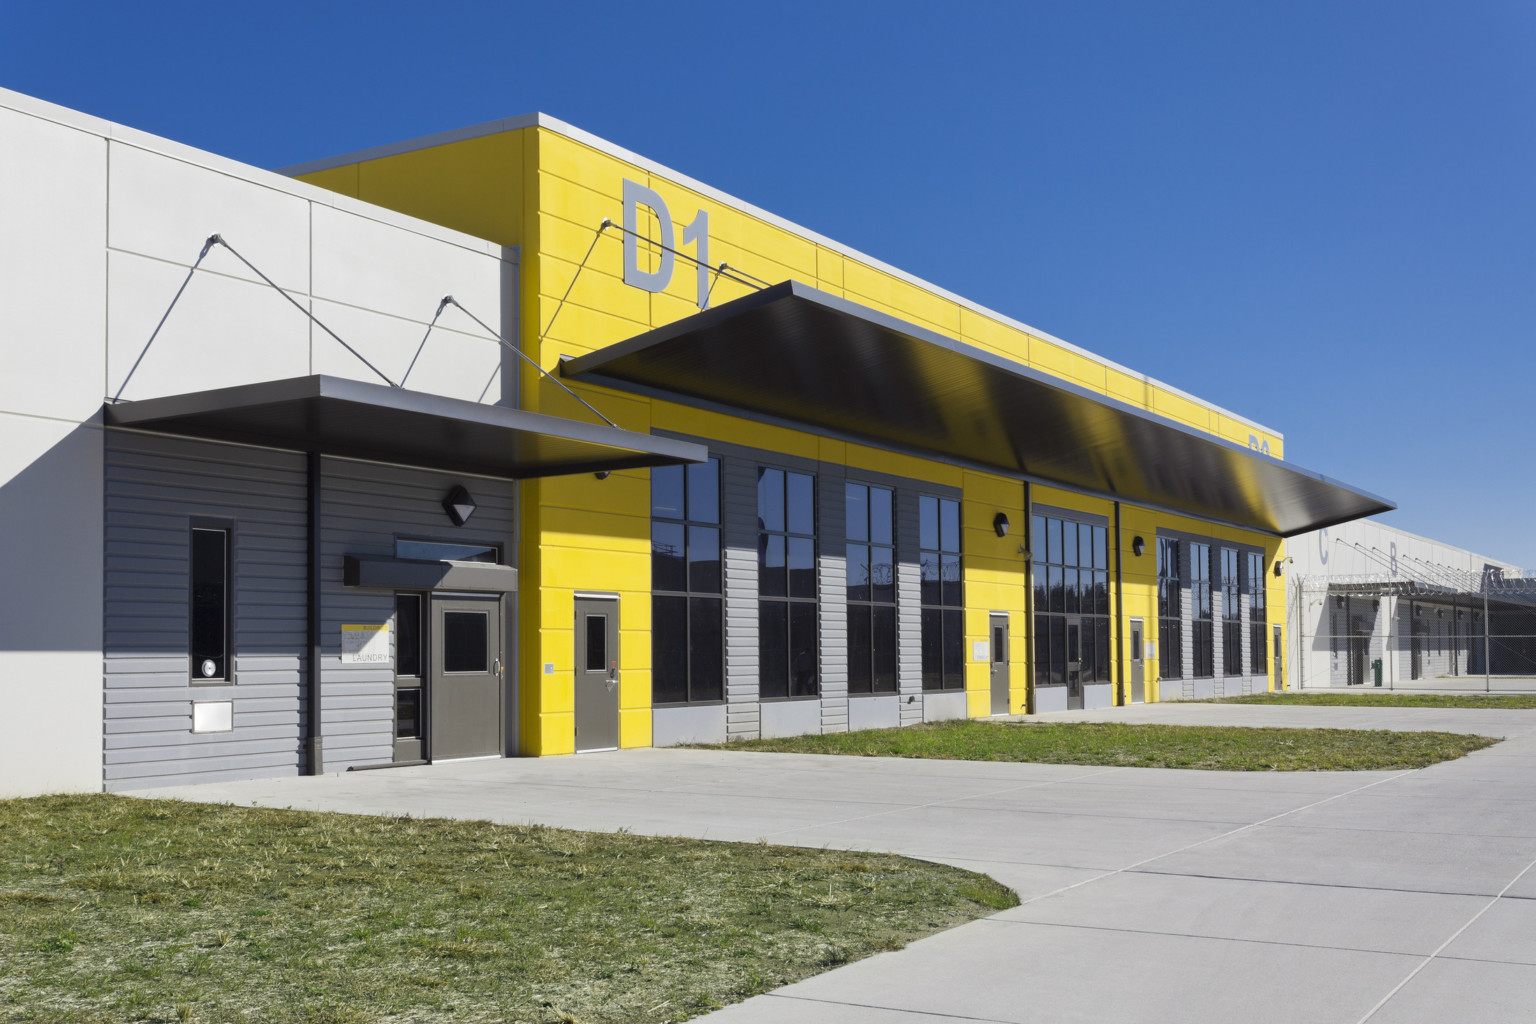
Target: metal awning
x: 795, y: 354
x: 359, y: 420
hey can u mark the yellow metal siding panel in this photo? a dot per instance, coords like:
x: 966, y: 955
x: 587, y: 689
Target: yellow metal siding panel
x: 337, y: 179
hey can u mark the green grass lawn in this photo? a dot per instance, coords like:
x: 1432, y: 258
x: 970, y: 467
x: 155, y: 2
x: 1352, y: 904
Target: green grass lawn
x: 115, y: 909
x: 1386, y: 699
x: 1142, y: 746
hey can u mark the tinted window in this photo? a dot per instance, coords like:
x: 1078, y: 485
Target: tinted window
x: 210, y: 604
x: 465, y: 641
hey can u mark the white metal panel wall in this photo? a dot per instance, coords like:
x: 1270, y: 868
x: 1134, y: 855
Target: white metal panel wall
x: 154, y: 487
x: 364, y: 508
x: 52, y: 235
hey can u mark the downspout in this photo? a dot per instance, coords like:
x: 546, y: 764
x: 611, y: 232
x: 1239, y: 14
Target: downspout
x: 1119, y: 617
x: 1029, y: 605
x: 314, y: 753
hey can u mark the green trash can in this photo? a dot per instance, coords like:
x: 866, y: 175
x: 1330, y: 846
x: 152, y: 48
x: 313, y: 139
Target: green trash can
x: 1376, y: 668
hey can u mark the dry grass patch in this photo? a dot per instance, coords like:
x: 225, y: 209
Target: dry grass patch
x: 115, y: 909
x: 1214, y: 748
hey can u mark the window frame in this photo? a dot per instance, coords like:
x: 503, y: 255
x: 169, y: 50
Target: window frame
x: 689, y: 595
x: 1170, y: 609
x: 794, y: 605
x: 226, y: 527
x: 1094, y: 623
x: 1202, y: 619
x: 943, y: 610
x: 869, y: 606
x: 1258, y: 615
x: 1231, y: 612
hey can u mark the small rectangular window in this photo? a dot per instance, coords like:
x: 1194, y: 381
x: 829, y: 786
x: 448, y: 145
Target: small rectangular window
x: 209, y: 626
x: 466, y: 641
x: 408, y: 714
x: 408, y: 635
x: 597, y: 643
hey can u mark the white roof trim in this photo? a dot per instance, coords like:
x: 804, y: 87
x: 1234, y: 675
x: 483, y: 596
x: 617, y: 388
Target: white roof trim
x: 604, y: 146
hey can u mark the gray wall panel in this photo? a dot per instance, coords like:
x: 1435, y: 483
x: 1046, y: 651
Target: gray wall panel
x: 154, y: 487
x: 365, y: 507
x: 739, y: 501
x: 832, y: 589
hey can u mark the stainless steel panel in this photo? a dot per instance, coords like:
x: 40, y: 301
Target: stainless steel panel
x: 794, y: 353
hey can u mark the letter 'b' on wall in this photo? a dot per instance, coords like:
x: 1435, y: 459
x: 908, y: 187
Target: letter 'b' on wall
x: 635, y: 196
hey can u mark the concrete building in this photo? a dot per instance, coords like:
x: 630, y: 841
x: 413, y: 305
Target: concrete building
x: 664, y: 467
x: 1374, y: 606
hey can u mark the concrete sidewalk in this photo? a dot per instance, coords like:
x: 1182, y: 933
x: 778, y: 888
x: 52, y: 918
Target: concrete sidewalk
x: 1149, y: 895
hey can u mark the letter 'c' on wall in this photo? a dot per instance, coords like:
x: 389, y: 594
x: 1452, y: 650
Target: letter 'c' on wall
x: 635, y: 196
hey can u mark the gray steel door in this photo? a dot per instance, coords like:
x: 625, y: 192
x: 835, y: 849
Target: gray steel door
x: 1074, y: 663
x: 464, y: 693
x: 1138, y: 678
x: 1279, y: 662
x: 999, y: 663
x: 597, y: 674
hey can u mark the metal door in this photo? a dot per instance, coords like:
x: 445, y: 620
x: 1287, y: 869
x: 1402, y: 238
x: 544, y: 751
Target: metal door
x: 1074, y: 663
x: 999, y: 663
x: 464, y: 693
x: 1138, y: 679
x: 597, y: 674
x: 1279, y: 655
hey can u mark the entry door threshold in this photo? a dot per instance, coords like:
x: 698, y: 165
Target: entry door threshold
x: 461, y: 760
x: 597, y: 750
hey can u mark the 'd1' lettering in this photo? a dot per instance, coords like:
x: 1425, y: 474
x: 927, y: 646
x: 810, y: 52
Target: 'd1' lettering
x: 695, y: 234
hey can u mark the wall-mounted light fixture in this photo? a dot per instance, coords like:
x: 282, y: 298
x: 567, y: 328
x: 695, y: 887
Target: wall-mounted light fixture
x: 459, y: 506
x: 601, y: 474
x: 1278, y: 569
x: 1138, y: 546
x: 1000, y: 524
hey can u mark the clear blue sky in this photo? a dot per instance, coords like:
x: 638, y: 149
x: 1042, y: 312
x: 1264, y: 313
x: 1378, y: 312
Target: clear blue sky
x: 1319, y: 215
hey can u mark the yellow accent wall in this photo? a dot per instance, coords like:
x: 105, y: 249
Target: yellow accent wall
x: 544, y: 192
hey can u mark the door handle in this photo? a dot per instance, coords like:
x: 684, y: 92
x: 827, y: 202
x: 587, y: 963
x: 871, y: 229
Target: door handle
x: 613, y: 674
x: 496, y: 667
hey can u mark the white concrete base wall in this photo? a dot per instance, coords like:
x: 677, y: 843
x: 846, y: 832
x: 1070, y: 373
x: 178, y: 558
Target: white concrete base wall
x: 53, y: 704
x: 1050, y: 698
x: 1099, y: 695
x: 941, y: 707
x: 790, y: 718
x: 671, y: 726
x: 874, y: 712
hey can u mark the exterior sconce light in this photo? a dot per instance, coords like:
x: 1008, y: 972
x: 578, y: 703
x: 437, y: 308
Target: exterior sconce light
x: 1000, y: 524
x: 1278, y: 569
x: 459, y: 506
x: 601, y: 474
x: 1138, y: 546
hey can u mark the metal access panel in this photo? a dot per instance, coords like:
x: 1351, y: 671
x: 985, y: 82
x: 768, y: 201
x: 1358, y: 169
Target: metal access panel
x: 1138, y: 666
x: 465, y: 690
x: 597, y: 674
x: 999, y: 645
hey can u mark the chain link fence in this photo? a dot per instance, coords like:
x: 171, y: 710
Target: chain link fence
x: 1438, y: 629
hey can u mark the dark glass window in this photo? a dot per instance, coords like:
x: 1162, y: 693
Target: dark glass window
x: 1231, y: 615
x: 209, y: 626
x: 1202, y: 638
x: 408, y: 635
x: 466, y: 644
x: 597, y: 643
x: 1170, y: 611
x: 871, y: 589
x: 408, y: 713
x: 1071, y: 581
x: 1258, y: 616
x: 943, y: 599
x: 786, y: 584
x: 687, y: 640
x: 439, y: 551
